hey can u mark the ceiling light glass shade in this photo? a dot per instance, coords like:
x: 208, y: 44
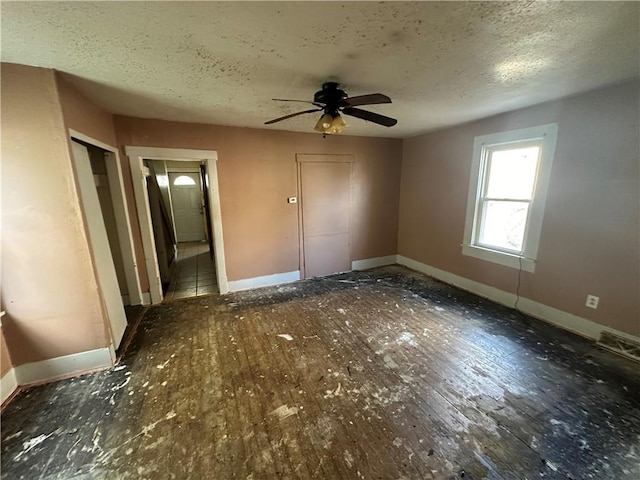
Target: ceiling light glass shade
x: 337, y: 125
x: 329, y: 124
x: 324, y: 123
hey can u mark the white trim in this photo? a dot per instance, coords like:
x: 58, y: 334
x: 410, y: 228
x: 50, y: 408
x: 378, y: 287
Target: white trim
x: 8, y: 385
x: 501, y: 258
x: 175, y: 154
x: 562, y: 319
x: 325, y: 158
x: 189, y: 169
x: 548, y: 134
x: 146, y: 229
x: 568, y: 321
x: 373, y: 262
x: 265, y: 281
x: 99, y: 244
x: 59, y: 367
x: 146, y: 298
x: 96, y: 143
x: 216, y: 225
x: 136, y: 157
x: 123, y: 221
x: 481, y: 289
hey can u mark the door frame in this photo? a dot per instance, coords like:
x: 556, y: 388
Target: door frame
x: 137, y: 155
x: 319, y: 158
x: 120, y: 210
x: 104, y: 270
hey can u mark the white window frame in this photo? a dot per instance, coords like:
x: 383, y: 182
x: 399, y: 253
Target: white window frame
x: 543, y: 135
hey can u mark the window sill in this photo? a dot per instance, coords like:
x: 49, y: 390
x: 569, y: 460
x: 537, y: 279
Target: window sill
x: 501, y: 258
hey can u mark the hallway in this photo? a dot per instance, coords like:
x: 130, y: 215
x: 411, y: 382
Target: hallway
x: 194, y: 273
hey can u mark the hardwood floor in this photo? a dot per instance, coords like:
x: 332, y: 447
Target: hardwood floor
x: 384, y: 374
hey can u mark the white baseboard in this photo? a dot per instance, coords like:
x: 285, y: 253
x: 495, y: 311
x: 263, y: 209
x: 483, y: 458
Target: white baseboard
x: 60, y: 367
x: 492, y: 293
x: 8, y: 385
x: 565, y: 320
x: 373, y: 262
x: 265, y: 281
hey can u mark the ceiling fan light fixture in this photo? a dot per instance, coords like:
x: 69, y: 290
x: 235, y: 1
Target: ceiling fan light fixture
x: 337, y: 125
x: 330, y: 124
x: 324, y: 123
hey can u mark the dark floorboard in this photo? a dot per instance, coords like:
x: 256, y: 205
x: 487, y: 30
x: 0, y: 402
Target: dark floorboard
x: 384, y: 374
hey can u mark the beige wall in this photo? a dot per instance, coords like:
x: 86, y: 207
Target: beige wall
x: 49, y: 289
x: 589, y: 242
x: 84, y: 116
x: 5, y: 359
x: 257, y: 172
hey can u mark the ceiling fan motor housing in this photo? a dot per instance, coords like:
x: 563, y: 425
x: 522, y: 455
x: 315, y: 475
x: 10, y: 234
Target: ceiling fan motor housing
x: 331, y: 96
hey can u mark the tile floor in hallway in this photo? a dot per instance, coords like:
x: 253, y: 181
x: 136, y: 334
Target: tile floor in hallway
x: 194, y: 274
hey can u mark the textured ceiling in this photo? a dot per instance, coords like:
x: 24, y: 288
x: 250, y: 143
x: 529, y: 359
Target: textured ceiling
x: 442, y: 63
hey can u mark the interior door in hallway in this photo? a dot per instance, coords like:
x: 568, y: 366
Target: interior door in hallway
x: 325, y: 182
x: 186, y: 197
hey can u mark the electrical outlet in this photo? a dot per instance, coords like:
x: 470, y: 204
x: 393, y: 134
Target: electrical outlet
x: 592, y: 301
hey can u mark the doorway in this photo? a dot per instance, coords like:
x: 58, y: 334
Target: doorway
x: 99, y: 178
x: 325, y: 194
x: 196, y: 269
x: 178, y: 218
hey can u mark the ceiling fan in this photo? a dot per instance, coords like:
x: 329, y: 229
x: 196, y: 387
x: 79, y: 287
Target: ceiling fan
x: 333, y: 101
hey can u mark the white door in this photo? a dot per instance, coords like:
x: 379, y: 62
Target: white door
x: 107, y: 279
x: 188, y: 212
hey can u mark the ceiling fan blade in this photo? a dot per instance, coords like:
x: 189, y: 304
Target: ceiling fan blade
x: 370, y: 116
x: 292, y: 115
x: 371, y: 99
x: 298, y: 101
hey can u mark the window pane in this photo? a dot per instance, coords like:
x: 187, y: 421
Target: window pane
x: 512, y: 173
x: 184, y: 180
x: 503, y: 224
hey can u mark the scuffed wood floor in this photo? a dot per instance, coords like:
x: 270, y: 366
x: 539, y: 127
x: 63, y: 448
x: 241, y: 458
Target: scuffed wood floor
x: 384, y: 374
